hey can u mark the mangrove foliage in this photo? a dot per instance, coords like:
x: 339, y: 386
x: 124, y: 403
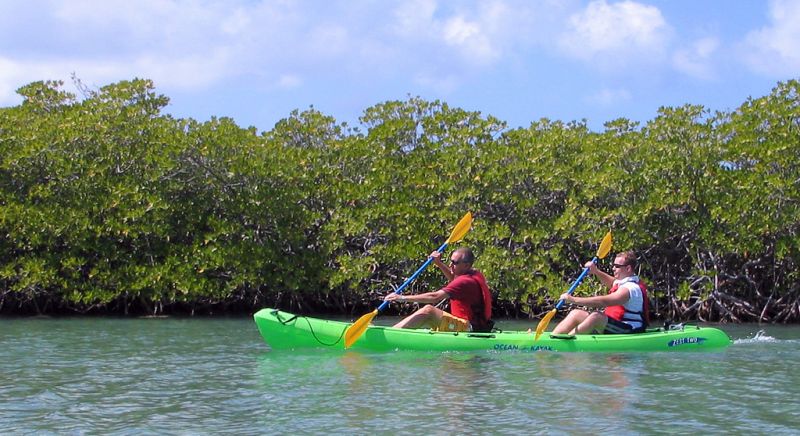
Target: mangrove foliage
x: 110, y: 205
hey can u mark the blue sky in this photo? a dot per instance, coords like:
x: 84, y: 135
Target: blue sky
x: 256, y: 61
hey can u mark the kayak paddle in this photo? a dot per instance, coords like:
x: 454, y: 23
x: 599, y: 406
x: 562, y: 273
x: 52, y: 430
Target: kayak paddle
x: 602, y: 251
x: 355, y: 331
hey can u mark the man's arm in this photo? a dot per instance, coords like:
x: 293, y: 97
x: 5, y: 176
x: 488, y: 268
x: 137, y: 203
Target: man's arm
x: 427, y: 298
x: 621, y: 296
x: 606, y: 279
x: 437, y: 259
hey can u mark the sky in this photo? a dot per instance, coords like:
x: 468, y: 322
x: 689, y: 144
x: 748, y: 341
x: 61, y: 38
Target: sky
x: 518, y: 60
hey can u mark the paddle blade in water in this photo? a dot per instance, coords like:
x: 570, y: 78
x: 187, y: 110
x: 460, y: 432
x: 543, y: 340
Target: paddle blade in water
x: 461, y: 228
x: 605, y: 246
x: 543, y: 324
x: 357, y: 329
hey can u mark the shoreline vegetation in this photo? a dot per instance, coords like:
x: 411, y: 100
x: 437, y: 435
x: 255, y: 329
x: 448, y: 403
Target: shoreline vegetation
x: 108, y: 206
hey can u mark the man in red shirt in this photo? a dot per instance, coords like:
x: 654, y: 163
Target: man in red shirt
x: 470, y: 299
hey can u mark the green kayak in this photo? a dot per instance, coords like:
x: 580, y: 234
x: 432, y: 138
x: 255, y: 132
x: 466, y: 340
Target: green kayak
x: 283, y: 330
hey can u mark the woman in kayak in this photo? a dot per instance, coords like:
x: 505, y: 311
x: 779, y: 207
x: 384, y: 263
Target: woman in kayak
x: 626, y: 306
x: 470, y: 299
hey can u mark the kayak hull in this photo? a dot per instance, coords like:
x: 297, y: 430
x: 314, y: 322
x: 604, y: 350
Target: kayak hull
x: 286, y: 331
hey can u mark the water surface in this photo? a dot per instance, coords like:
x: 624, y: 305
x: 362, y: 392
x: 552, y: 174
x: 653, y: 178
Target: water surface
x: 204, y: 375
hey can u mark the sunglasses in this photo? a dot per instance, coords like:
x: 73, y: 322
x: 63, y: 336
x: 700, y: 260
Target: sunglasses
x: 619, y: 265
x: 456, y: 262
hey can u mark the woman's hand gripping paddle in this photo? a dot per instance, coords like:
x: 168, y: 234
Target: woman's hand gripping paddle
x: 355, y: 331
x: 602, y: 251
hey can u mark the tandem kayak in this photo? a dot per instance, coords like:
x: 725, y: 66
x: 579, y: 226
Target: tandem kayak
x: 283, y: 330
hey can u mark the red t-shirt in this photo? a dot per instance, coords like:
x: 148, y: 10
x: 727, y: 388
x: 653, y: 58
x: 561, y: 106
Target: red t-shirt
x: 467, y: 298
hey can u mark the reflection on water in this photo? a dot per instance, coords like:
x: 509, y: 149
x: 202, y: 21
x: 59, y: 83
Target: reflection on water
x: 472, y: 392
x: 597, y: 383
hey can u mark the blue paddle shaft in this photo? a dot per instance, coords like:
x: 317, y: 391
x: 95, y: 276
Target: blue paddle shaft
x: 576, y: 283
x: 413, y: 277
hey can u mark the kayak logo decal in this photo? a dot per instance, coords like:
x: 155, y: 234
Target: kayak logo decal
x: 684, y: 341
x: 512, y: 347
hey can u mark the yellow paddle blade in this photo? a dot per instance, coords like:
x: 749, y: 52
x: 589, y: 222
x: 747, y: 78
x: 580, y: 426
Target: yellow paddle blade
x: 543, y: 324
x: 461, y: 228
x: 355, y: 331
x: 605, y: 246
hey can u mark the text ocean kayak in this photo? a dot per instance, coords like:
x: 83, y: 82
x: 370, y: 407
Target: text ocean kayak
x: 283, y: 330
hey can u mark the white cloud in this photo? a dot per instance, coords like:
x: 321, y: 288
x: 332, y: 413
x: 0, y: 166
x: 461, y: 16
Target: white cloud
x: 611, y: 34
x: 14, y: 74
x: 696, y: 60
x: 467, y: 35
x: 477, y: 33
x: 190, y: 71
x: 458, y: 31
x: 774, y: 50
x: 470, y: 39
x: 180, y: 44
x: 439, y: 46
x: 197, y: 44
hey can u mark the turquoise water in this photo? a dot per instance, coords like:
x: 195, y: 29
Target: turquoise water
x: 190, y: 376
